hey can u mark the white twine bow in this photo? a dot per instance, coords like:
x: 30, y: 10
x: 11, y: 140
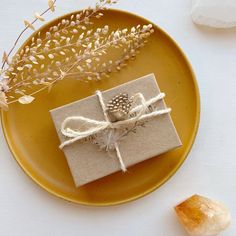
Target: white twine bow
x: 90, y: 127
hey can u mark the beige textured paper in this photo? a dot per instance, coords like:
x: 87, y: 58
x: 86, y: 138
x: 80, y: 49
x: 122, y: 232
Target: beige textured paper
x: 87, y: 163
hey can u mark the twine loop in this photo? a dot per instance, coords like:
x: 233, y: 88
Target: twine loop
x: 86, y: 127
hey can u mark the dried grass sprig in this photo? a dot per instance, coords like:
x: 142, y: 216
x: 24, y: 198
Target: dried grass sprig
x: 69, y: 49
x: 27, y: 26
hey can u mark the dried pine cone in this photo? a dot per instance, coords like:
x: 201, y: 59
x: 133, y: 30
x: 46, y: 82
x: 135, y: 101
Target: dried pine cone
x: 118, y: 107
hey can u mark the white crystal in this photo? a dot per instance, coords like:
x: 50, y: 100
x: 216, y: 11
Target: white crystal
x: 214, y: 13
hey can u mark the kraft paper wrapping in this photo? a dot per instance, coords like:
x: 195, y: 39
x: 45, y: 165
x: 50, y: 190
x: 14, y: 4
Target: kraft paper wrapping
x: 88, y: 163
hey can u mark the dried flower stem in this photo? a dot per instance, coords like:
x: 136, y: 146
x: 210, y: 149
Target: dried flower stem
x: 68, y: 49
x: 93, y: 52
x: 21, y: 33
x: 92, y: 14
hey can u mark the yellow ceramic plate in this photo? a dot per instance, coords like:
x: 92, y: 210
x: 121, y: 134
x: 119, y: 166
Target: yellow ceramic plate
x: 33, y: 141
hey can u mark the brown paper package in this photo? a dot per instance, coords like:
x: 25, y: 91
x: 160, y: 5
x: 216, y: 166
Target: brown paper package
x: 88, y: 163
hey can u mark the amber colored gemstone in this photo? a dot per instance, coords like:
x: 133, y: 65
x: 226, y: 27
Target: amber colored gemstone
x: 201, y: 216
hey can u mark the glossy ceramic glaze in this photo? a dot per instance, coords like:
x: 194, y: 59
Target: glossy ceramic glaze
x: 32, y: 138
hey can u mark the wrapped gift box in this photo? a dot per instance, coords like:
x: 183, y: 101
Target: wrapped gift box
x: 152, y: 138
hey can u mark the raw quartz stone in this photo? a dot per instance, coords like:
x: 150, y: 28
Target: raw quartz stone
x: 214, y: 13
x: 202, y: 216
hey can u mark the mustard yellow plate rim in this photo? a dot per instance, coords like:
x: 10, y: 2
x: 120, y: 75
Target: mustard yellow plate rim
x: 32, y: 138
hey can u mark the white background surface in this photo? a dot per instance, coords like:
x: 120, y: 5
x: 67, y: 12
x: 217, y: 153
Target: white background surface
x: 210, y: 170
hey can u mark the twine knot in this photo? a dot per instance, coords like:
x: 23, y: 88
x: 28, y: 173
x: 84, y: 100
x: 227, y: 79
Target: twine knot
x: 86, y: 127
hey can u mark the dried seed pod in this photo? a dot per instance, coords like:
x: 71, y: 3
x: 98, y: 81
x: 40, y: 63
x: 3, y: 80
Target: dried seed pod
x: 118, y: 108
x: 201, y: 216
